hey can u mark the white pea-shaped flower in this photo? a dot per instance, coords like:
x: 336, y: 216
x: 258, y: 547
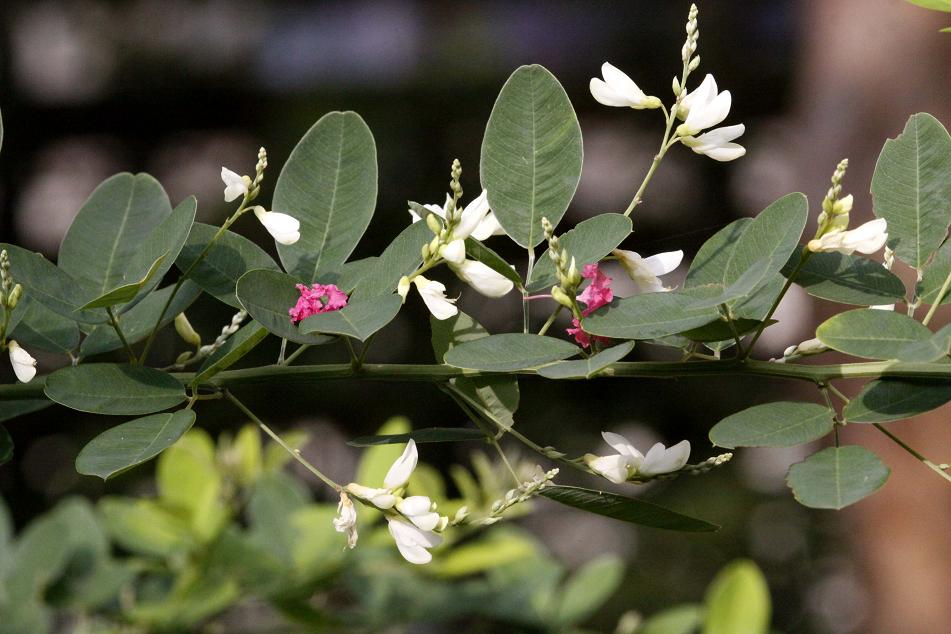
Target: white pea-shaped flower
x: 867, y: 238
x: 346, y: 520
x: 619, y: 90
x: 476, y: 219
x: 413, y: 542
x: 629, y: 461
x: 236, y: 185
x: 482, y: 278
x: 434, y: 296
x: 283, y: 228
x: 24, y: 365
x: 704, y: 108
x: 646, y: 272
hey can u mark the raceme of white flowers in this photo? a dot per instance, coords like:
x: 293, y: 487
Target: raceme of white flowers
x: 619, y: 90
x: 646, y: 272
x: 629, y: 462
x: 477, y: 219
x: 867, y: 238
x: 413, y: 521
x: 24, y: 365
x: 704, y: 108
x: 283, y: 228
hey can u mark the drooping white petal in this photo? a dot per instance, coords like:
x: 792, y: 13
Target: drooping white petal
x: 716, y: 143
x: 346, y: 520
x: 434, y: 296
x: 704, y: 108
x: 400, y: 471
x: 660, y: 460
x: 283, y: 228
x: 615, y: 468
x: 235, y: 185
x: 470, y: 218
x: 867, y: 238
x: 412, y: 541
x: 414, y: 505
x: 454, y: 252
x: 380, y: 498
x: 664, y: 263
x: 489, y: 226
x: 617, y: 89
x: 705, y: 92
x: 24, y: 365
x: 483, y: 279
x: 645, y: 272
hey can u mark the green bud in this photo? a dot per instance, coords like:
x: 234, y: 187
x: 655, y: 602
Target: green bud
x: 433, y: 223
x: 694, y: 63
x: 183, y: 357
x: 185, y: 330
x: 14, y: 296
x: 574, y: 277
x: 425, y: 251
x: 562, y: 297
x: 675, y: 85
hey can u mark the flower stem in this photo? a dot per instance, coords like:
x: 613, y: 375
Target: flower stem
x: 655, y: 163
x: 290, y: 358
x: 118, y: 329
x: 551, y: 320
x: 898, y: 441
x: 526, y: 312
x: 806, y: 254
x: 937, y: 300
x: 295, y: 453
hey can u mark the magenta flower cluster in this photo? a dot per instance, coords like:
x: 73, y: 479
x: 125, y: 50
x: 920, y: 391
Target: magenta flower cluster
x: 318, y: 298
x: 597, y: 294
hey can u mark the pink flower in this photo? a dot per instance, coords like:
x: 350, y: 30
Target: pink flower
x: 597, y: 294
x: 319, y: 298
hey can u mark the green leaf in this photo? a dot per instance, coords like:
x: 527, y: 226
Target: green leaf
x: 166, y: 242
x: 847, y: 279
x: 911, y: 189
x: 144, y: 526
x: 588, y: 589
x: 683, y: 619
x: 400, y: 258
x: 329, y: 183
x: 139, y: 321
x: 359, y: 319
x: 42, y: 329
x: 936, y: 5
x: 431, y: 434
x: 649, y: 316
x: 126, y: 292
x: 350, y: 273
x: 268, y: 296
x: 587, y: 368
x: 49, y: 285
x: 129, y: 444
x: 6, y: 445
x: 13, y: 409
x: 890, y: 399
x: 110, y: 228
x: 485, y: 555
x: 934, y: 277
x: 871, y: 334
x: 721, y: 330
x: 928, y: 350
x: 230, y: 257
x: 188, y: 480
x: 111, y: 388
x: 587, y: 243
x: 738, y: 601
x: 780, y: 424
x: 475, y: 250
x: 509, y: 352
x: 626, y: 509
x: 745, y: 256
x: 237, y: 345
x: 836, y: 477
x: 531, y: 154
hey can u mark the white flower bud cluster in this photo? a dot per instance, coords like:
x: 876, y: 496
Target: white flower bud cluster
x: 690, y: 45
x: 523, y: 493
x: 24, y: 365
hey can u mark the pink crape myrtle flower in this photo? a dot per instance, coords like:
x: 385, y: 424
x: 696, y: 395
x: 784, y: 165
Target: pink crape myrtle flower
x: 318, y: 298
x: 597, y: 294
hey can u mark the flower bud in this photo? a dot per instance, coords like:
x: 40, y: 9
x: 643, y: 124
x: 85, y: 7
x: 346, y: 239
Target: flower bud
x: 694, y: 63
x: 675, y: 85
x: 14, y: 297
x: 425, y: 252
x: 185, y: 331
x: 562, y: 297
x: 433, y: 223
x: 403, y: 287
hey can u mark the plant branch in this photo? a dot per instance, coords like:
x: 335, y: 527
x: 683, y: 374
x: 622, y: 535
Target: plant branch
x: 898, y: 441
x: 806, y: 254
x: 125, y: 344
x: 937, y: 300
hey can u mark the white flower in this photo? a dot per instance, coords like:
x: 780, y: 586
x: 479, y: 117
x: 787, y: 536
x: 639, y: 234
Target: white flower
x: 380, y: 498
x: 283, y: 228
x: 476, y: 220
x: 396, y: 478
x: 403, y: 287
x: 454, y: 252
x: 235, y: 185
x: 867, y: 238
x: 703, y: 108
x: 413, y: 541
x: 419, y: 510
x: 24, y: 365
x: 483, y: 278
x: 629, y: 461
x: 434, y: 296
x: 617, y: 89
x: 346, y: 520
x: 646, y: 271
x: 717, y: 143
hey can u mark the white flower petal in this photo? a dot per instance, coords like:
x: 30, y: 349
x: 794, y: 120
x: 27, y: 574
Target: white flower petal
x: 702, y: 93
x: 606, y: 95
x: 660, y: 460
x: 24, y: 365
x: 412, y: 541
x: 867, y: 238
x: 489, y: 226
x: 434, y: 296
x: 283, y: 228
x: 414, y: 505
x: 621, y: 445
x: 400, y: 471
x: 614, y: 468
x: 235, y: 185
x: 483, y: 278
x: 470, y: 218
x: 454, y: 252
x: 663, y: 263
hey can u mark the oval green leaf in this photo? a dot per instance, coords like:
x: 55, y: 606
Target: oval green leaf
x: 42, y: 329
x: 531, y: 154
x: 649, y: 316
x: 847, y: 279
x: 110, y: 228
x: 509, y: 352
x: 837, y: 477
x: 268, y: 296
x: 127, y: 292
x: 626, y: 509
x: 780, y: 424
x: 129, y: 444
x: 871, y: 334
x: 738, y: 601
x: 911, y: 189
x: 588, y: 242
x: 587, y: 368
x: 934, y: 277
x: 359, y: 319
x: 329, y: 184
x: 111, y: 388
x: 889, y: 399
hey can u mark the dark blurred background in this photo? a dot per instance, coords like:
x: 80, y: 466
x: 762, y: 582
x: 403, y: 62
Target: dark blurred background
x: 179, y: 88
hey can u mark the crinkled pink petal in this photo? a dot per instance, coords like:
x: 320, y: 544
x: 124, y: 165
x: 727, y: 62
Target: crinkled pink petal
x: 582, y: 338
x: 598, y: 293
x: 318, y: 298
